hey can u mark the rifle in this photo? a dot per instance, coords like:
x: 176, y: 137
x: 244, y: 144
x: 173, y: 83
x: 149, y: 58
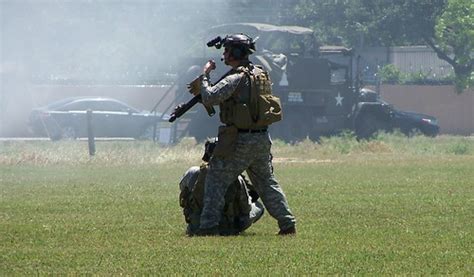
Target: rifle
x: 184, y: 107
x: 194, y: 86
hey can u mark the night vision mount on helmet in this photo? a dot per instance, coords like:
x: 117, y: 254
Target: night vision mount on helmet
x: 239, y: 44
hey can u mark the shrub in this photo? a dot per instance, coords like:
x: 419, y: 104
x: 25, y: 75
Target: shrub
x: 417, y: 77
x: 390, y: 74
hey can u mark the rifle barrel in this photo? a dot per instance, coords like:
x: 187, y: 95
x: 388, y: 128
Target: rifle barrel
x: 183, y: 108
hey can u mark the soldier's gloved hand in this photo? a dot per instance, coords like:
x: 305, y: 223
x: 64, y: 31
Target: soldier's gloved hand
x: 195, y: 86
x: 208, y: 67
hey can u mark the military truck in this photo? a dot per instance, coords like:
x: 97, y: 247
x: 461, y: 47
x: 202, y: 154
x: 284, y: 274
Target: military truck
x: 317, y: 86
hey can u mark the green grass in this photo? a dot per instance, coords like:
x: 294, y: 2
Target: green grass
x: 389, y: 206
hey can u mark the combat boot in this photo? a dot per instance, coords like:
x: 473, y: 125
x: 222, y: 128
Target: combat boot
x: 289, y: 231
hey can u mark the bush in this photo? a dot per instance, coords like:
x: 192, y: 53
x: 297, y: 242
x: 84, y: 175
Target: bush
x: 417, y: 77
x: 390, y: 74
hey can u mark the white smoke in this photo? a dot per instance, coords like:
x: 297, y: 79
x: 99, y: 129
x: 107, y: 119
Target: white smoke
x: 101, y: 42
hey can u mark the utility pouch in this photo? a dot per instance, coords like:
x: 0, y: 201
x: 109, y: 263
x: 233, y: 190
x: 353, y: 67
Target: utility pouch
x: 226, y: 141
x: 269, y: 109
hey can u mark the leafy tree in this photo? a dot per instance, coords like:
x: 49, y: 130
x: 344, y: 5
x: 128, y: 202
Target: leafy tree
x: 455, y: 34
x: 375, y: 22
x: 329, y: 19
x: 444, y: 25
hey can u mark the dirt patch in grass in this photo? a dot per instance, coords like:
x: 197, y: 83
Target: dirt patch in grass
x: 302, y: 160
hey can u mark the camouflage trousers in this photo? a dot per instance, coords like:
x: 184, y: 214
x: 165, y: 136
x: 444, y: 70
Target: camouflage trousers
x: 256, y: 212
x: 252, y: 154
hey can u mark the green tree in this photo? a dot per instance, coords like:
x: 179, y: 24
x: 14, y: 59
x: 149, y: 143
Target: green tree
x: 455, y: 35
x: 444, y: 25
x: 372, y: 22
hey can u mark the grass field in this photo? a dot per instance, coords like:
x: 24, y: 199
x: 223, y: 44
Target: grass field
x: 390, y: 206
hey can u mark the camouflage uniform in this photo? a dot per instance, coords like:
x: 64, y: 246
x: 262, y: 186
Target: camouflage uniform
x: 252, y: 154
x: 248, y: 212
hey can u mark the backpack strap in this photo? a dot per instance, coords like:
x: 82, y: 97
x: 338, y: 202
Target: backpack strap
x: 253, y: 104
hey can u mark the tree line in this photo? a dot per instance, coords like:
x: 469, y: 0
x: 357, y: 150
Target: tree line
x: 446, y: 26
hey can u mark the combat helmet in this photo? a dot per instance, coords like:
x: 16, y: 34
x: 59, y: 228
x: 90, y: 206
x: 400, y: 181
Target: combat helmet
x: 240, y: 44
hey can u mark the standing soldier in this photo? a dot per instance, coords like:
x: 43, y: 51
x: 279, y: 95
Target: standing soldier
x: 247, y: 107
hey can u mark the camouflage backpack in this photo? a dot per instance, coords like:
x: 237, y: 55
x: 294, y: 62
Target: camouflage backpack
x: 262, y: 109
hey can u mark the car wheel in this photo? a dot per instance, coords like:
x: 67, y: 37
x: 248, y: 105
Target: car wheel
x: 68, y: 133
x: 369, y: 125
x: 147, y: 133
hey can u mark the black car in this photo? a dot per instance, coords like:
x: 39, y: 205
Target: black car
x: 394, y: 119
x: 67, y: 118
x: 411, y: 122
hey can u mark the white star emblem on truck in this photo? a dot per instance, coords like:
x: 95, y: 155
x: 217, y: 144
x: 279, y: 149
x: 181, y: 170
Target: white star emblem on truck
x: 339, y: 99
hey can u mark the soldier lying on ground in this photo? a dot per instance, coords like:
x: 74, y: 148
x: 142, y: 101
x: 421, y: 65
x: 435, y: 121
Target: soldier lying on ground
x: 241, y: 206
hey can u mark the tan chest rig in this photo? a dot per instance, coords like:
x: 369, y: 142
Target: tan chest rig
x: 252, y: 106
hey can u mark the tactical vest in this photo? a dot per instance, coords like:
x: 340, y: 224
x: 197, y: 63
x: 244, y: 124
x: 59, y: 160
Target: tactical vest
x: 236, y: 204
x: 252, y: 106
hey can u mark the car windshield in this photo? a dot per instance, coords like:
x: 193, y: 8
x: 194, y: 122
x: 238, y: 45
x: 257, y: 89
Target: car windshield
x: 55, y: 105
x: 115, y: 106
x: 77, y: 106
x: 99, y: 104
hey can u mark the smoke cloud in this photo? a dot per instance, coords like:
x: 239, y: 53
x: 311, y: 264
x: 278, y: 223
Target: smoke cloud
x: 103, y: 42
